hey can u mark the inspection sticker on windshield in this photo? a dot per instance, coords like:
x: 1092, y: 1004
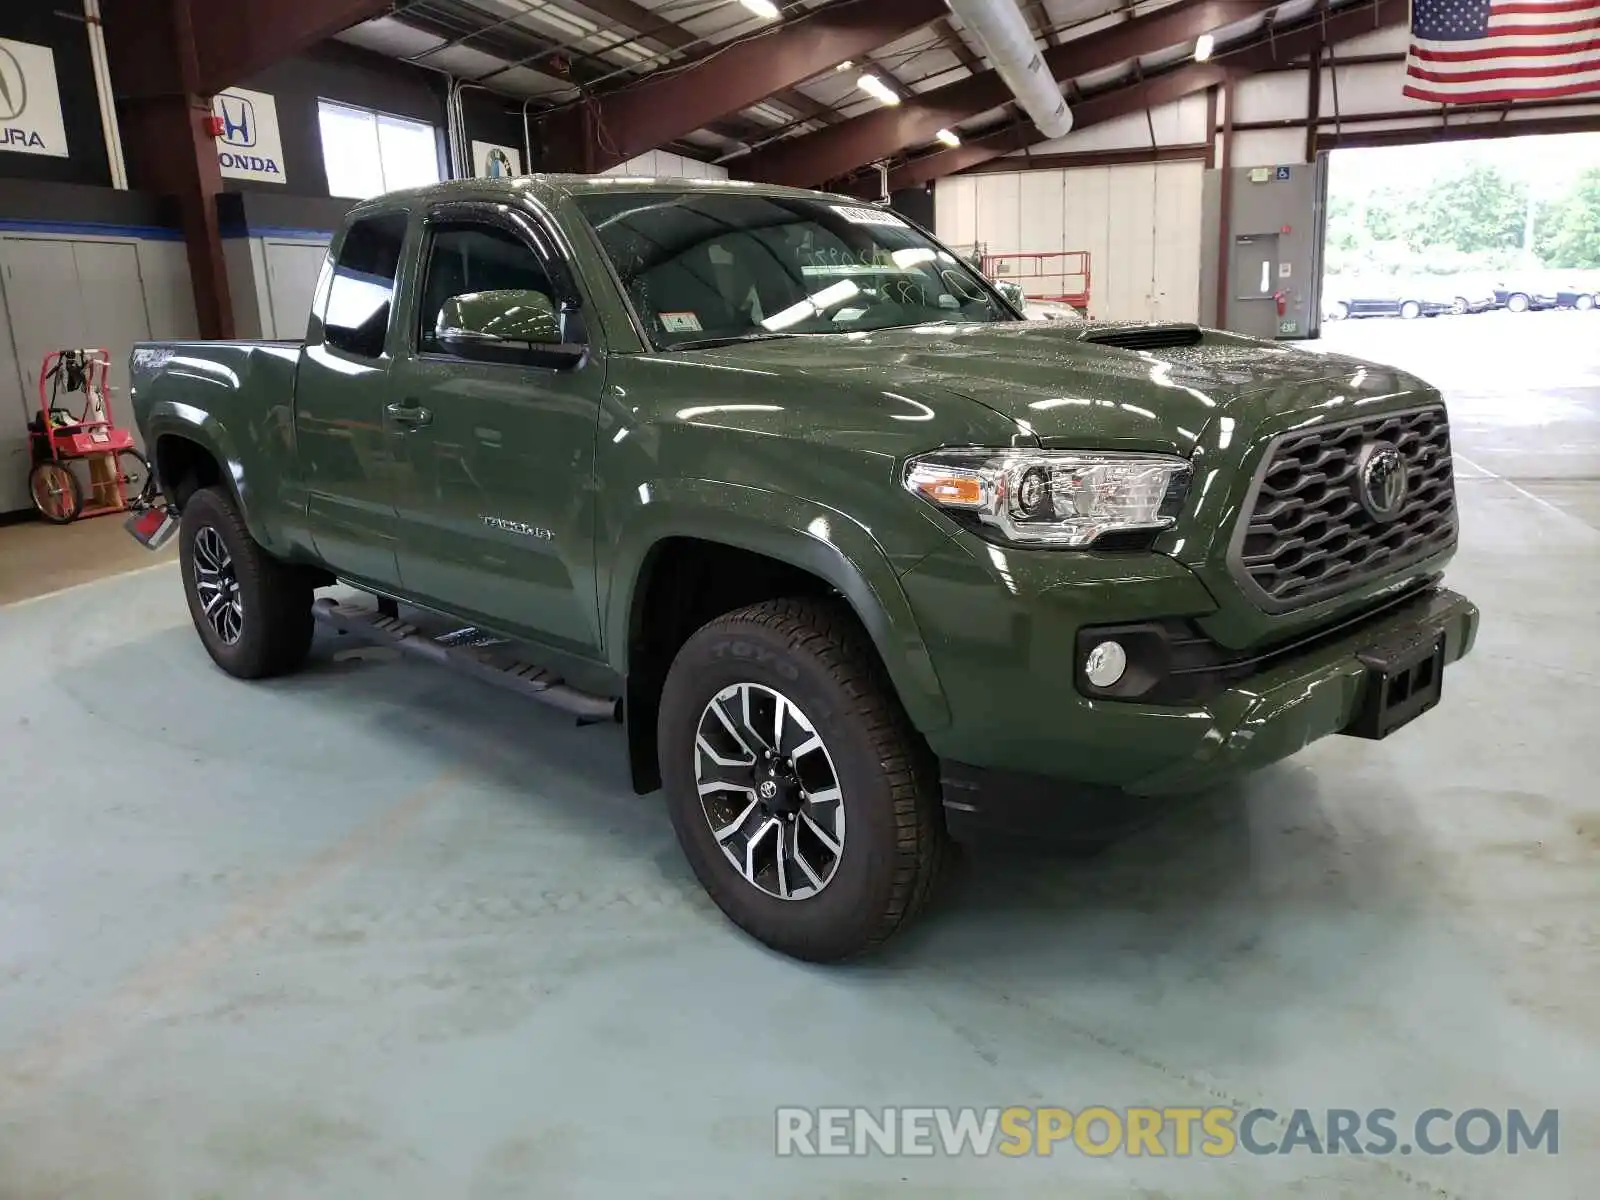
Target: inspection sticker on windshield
x: 684, y: 322
x: 868, y: 216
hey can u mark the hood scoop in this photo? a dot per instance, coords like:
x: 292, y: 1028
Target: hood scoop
x: 1144, y: 337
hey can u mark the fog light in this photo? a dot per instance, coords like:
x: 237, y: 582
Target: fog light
x: 1105, y: 664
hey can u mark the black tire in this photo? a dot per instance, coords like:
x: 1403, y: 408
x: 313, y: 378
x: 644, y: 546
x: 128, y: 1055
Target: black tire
x: 894, y: 843
x: 274, y: 599
x: 55, y: 491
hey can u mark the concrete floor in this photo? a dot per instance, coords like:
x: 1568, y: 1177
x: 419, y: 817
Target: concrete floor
x: 374, y: 931
x: 37, y: 558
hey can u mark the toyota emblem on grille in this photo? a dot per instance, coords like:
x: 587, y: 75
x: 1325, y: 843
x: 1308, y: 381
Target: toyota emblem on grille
x: 1383, y: 481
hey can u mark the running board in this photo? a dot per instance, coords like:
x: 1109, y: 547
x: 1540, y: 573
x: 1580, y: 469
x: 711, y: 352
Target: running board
x: 470, y: 650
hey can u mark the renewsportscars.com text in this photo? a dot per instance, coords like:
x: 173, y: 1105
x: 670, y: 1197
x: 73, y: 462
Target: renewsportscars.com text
x: 1214, y: 1132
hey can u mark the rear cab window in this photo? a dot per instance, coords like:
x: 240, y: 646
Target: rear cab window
x: 362, y: 284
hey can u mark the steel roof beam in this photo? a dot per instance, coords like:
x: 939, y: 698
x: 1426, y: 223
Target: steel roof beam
x: 612, y: 127
x: 1262, y: 53
x: 815, y: 158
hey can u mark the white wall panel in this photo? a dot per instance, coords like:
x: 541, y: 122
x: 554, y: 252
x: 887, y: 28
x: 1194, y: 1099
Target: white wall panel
x: 999, y: 222
x: 1177, y: 247
x: 955, y: 210
x: 1270, y: 97
x: 1086, y: 218
x: 663, y: 164
x: 1128, y: 268
x: 1369, y: 88
x: 1040, y: 210
x: 168, y: 296
x: 1268, y: 147
x: 1140, y: 225
x: 292, y: 269
x: 1393, y: 40
x: 1182, y: 122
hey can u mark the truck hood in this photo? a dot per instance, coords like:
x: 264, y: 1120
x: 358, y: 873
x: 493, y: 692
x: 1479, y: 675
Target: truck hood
x: 1071, y: 385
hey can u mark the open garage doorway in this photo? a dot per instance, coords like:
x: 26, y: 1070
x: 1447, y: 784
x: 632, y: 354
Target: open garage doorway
x: 1463, y: 259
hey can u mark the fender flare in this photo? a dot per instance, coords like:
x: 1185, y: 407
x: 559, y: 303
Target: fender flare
x: 803, y: 533
x: 174, y: 418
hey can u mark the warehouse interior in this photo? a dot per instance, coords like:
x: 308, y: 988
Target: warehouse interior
x: 374, y: 928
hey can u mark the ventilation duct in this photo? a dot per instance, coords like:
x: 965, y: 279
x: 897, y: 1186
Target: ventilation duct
x: 1008, y: 44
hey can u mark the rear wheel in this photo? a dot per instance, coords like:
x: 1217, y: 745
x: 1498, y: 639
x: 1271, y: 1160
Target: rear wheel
x: 804, y: 800
x: 1459, y: 306
x: 1518, y: 303
x: 1583, y: 303
x: 253, y: 613
x: 55, y: 491
x: 1410, y: 310
x: 1341, y: 311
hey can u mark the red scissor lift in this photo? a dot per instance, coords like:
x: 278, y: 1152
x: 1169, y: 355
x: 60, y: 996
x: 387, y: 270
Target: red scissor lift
x: 1049, y: 277
x: 60, y: 436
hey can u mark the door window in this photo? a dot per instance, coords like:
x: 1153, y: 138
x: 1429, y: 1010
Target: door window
x: 361, y: 294
x: 466, y: 258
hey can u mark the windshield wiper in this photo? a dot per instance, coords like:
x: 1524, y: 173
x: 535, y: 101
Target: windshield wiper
x: 727, y: 340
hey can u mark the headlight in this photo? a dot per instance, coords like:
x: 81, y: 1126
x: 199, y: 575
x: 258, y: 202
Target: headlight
x: 1064, y: 498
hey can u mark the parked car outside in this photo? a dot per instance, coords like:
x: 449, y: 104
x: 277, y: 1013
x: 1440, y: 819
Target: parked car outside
x: 1406, y: 299
x: 1469, y: 295
x: 1577, y: 296
x: 1525, y: 295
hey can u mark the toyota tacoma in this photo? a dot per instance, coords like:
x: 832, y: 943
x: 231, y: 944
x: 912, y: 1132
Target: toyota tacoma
x: 860, y: 559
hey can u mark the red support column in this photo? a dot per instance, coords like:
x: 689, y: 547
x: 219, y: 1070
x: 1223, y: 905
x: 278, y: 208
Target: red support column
x: 168, y: 151
x: 154, y: 63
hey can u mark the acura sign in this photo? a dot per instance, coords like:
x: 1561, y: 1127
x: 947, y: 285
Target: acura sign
x: 30, y: 103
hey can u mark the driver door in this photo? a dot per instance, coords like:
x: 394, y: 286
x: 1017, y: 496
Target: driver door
x: 496, y: 509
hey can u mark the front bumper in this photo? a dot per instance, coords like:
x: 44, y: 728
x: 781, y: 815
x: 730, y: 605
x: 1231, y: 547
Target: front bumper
x: 1024, y: 745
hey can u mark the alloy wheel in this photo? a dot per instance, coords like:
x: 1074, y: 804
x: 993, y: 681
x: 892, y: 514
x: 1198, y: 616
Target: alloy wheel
x: 217, y: 585
x: 769, y: 791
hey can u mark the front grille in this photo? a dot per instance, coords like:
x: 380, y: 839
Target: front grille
x: 1305, y: 534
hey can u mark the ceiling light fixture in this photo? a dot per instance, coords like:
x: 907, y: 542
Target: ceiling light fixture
x: 877, y: 89
x: 1203, y: 46
x: 948, y: 137
x: 765, y: 9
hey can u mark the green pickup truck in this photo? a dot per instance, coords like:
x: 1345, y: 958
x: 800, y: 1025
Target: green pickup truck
x: 859, y: 557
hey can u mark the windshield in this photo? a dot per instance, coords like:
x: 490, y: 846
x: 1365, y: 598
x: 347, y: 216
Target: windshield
x: 703, y: 268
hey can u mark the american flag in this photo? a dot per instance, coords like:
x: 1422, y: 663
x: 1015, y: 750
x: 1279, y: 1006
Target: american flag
x: 1498, y: 51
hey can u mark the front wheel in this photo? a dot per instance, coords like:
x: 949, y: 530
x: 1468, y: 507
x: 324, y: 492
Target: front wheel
x: 1583, y: 303
x: 804, y: 800
x: 1459, y: 306
x: 253, y: 613
x: 1410, y: 310
x: 1518, y: 303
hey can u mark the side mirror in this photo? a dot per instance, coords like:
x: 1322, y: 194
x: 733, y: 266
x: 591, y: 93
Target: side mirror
x: 1012, y: 293
x: 487, y: 318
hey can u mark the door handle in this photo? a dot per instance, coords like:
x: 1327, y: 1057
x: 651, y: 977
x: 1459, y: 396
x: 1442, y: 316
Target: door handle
x: 403, y: 414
